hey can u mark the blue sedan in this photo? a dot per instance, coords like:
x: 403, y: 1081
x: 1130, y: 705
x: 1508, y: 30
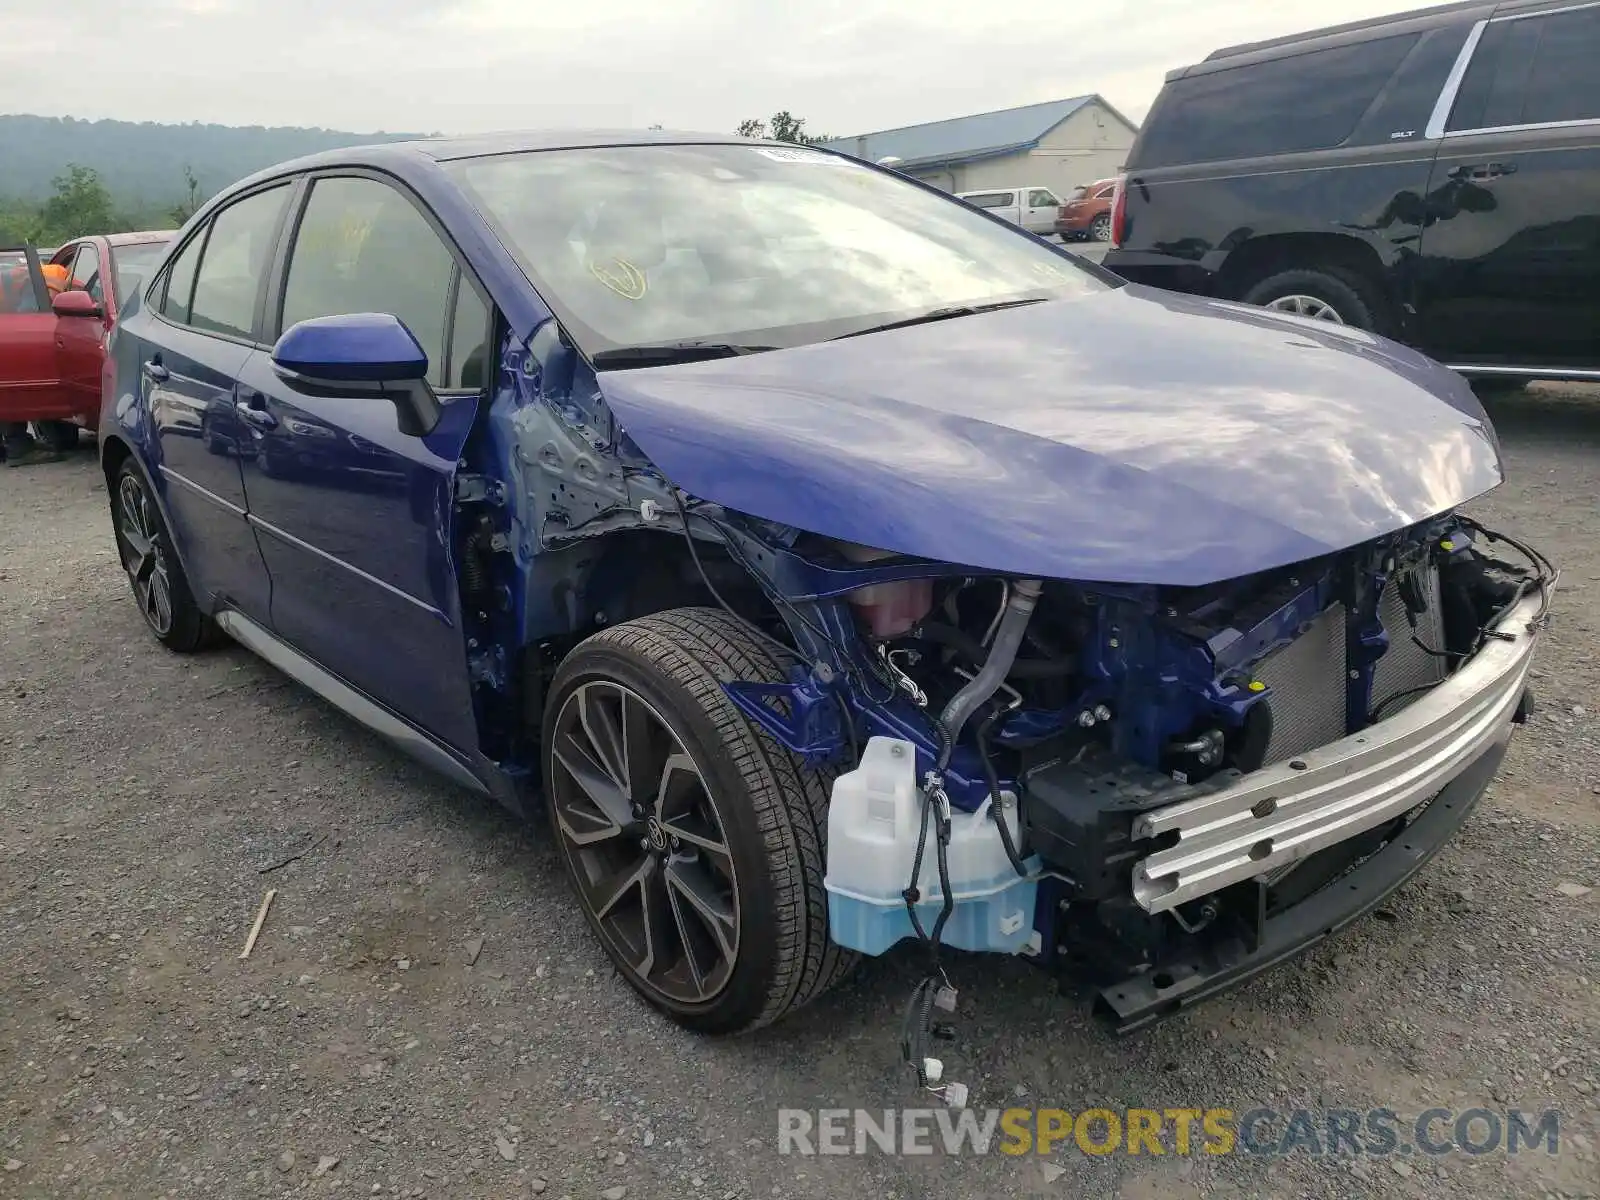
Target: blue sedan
x: 828, y: 563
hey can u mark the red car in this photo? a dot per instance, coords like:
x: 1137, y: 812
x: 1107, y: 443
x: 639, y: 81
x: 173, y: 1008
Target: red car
x: 1087, y: 213
x: 52, y: 348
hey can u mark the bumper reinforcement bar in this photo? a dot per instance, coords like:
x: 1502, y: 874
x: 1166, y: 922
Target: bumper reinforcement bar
x: 1146, y: 998
x: 1281, y: 814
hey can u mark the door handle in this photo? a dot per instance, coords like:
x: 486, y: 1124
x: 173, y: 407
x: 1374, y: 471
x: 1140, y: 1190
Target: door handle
x: 252, y: 410
x: 155, y: 372
x: 1477, y: 171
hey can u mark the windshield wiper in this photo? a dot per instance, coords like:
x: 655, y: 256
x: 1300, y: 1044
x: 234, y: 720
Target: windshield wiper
x: 943, y: 314
x: 671, y: 352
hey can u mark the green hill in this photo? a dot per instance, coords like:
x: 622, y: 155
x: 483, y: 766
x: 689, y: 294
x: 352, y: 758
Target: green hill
x: 142, y: 164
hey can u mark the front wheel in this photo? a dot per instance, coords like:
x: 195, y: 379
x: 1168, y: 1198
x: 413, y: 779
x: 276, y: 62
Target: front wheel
x: 694, y: 842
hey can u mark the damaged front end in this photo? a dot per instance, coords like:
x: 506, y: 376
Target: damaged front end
x: 1153, y: 788
x: 1162, y: 785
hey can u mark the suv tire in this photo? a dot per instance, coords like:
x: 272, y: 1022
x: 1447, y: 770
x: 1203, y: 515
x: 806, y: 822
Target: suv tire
x: 1343, y: 292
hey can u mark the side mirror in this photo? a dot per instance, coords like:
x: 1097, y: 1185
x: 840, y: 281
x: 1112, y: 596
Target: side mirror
x: 361, y: 354
x: 76, y: 304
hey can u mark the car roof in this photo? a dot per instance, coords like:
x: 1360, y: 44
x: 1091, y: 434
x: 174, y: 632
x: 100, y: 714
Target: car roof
x: 142, y: 238
x: 1462, y: 9
x: 448, y: 149
x: 1352, y: 32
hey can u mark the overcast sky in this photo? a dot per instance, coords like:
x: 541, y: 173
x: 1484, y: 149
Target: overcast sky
x: 847, y: 66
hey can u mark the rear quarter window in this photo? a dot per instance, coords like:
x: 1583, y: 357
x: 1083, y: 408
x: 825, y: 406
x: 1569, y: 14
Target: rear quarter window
x: 1309, y: 101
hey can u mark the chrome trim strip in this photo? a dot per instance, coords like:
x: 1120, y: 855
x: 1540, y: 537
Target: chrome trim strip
x: 1581, y: 123
x: 1452, y: 84
x: 284, y: 536
x: 346, y: 699
x: 168, y: 473
x: 1470, y: 369
x: 1341, y: 789
x: 1545, y: 12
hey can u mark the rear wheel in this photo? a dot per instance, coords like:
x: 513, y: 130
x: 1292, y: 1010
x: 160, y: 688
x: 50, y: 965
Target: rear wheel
x: 694, y: 842
x: 1100, y: 229
x: 1323, y: 294
x: 159, y: 585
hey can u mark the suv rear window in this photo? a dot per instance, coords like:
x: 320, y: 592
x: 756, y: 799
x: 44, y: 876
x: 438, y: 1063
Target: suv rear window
x: 1308, y: 101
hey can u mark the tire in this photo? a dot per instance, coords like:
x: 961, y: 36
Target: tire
x: 60, y: 436
x: 1344, y: 293
x: 752, y: 816
x: 149, y: 558
x: 1100, y: 228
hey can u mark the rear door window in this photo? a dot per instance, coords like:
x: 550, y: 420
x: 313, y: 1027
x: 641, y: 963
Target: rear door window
x: 1309, y: 101
x: 1532, y: 71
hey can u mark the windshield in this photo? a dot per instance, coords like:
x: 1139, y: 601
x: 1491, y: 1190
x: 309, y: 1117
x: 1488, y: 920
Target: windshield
x: 751, y: 244
x: 132, y: 264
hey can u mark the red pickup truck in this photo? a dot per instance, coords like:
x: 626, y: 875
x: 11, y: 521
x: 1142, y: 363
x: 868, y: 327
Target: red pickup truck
x: 52, y: 346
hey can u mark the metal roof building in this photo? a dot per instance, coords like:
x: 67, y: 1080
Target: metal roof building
x: 1058, y: 144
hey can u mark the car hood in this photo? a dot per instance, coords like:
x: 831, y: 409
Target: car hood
x: 1129, y: 435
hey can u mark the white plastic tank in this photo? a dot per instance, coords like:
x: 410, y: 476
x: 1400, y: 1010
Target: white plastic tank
x: 873, y: 823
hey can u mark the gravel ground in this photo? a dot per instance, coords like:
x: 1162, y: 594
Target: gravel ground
x: 140, y: 1057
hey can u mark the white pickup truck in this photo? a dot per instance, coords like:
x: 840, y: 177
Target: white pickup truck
x: 1034, y: 208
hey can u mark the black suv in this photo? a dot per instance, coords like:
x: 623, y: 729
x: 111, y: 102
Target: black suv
x: 1433, y: 176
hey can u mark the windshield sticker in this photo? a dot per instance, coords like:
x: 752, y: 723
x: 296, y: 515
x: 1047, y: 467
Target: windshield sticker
x: 627, y: 280
x: 812, y: 158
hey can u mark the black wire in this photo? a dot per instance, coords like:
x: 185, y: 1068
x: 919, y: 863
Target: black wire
x: 849, y: 728
x: 914, y: 1025
x: 788, y: 606
x: 993, y: 780
x: 1546, y: 570
x: 1429, y: 650
x: 941, y: 847
x: 683, y: 517
x: 1377, y: 711
x: 912, y: 893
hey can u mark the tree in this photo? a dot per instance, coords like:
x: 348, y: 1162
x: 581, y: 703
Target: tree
x: 186, y: 208
x: 785, y: 127
x: 80, y: 204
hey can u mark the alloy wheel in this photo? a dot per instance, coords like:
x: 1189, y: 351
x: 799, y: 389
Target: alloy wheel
x: 142, y: 555
x: 1307, y: 306
x: 647, y: 846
